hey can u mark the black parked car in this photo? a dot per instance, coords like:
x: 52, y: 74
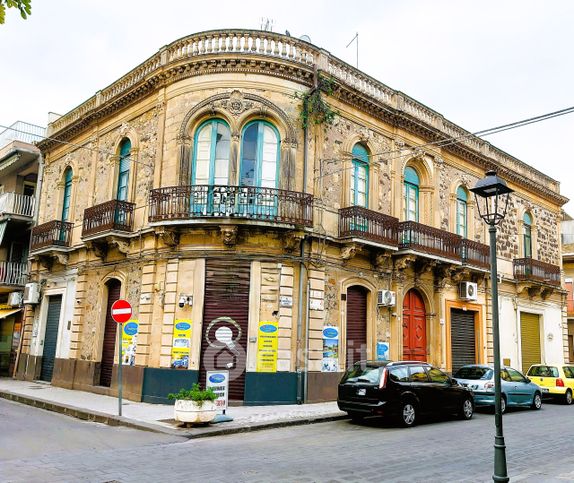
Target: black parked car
x: 404, y: 390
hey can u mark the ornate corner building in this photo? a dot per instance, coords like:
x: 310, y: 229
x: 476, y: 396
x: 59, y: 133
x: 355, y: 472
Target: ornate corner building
x: 280, y: 254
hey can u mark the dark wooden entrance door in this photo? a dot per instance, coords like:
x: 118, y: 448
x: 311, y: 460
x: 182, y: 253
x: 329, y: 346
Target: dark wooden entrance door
x: 414, y: 327
x: 51, y: 337
x: 225, y: 322
x: 110, y: 332
x: 462, y: 338
x: 356, y: 324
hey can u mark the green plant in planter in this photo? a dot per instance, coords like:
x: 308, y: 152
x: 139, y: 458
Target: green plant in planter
x: 314, y: 109
x: 195, y: 394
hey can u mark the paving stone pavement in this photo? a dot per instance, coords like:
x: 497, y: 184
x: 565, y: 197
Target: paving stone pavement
x: 539, y: 449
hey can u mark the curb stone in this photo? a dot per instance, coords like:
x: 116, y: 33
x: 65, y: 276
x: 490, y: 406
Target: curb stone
x: 111, y: 420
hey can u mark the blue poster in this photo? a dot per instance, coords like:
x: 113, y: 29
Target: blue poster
x: 382, y: 351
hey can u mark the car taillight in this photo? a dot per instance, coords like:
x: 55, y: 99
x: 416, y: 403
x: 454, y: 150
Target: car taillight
x: 559, y: 382
x: 383, y: 381
x: 489, y: 385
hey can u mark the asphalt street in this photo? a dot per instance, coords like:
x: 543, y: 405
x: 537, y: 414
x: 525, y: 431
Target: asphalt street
x: 39, y: 446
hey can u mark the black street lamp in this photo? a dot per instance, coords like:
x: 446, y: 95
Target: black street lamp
x: 491, y: 194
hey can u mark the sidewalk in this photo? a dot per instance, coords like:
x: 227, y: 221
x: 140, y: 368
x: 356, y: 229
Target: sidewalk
x: 159, y: 417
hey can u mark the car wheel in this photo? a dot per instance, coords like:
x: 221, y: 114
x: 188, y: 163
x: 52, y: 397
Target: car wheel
x: 537, y: 401
x: 408, y: 414
x: 356, y: 417
x: 568, y: 397
x: 502, y: 405
x: 466, y: 409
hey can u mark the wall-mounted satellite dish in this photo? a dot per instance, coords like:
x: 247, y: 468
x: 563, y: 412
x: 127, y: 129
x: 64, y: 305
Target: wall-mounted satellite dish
x: 305, y: 38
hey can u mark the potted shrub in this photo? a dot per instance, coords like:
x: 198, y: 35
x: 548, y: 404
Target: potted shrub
x: 194, y: 405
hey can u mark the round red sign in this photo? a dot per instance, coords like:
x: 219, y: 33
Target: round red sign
x: 121, y: 311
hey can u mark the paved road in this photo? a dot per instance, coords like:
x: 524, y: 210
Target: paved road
x: 38, y: 446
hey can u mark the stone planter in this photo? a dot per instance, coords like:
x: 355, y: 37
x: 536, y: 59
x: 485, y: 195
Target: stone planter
x: 188, y: 411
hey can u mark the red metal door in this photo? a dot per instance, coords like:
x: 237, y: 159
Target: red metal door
x: 225, y: 322
x: 109, y: 346
x: 414, y: 327
x: 356, y: 324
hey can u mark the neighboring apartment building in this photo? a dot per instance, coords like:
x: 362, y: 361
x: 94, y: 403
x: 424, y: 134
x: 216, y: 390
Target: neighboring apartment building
x: 249, y: 244
x: 18, y: 178
x: 568, y: 264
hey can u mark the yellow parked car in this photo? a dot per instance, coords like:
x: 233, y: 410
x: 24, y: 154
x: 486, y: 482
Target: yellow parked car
x: 556, y: 380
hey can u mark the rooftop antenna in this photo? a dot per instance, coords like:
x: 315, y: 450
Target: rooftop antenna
x: 267, y: 24
x: 356, y: 37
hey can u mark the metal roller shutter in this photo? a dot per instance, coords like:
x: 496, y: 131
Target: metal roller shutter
x: 110, y: 331
x: 462, y: 338
x: 226, y: 302
x: 356, y: 324
x: 530, y: 340
x: 51, y: 337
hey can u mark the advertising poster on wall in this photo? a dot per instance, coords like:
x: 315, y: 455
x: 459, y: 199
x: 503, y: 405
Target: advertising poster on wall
x: 382, y: 351
x: 181, y: 345
x: 330, y: 361
x: 129, y: 342
x: 219, y: 382
x: 267, y: 346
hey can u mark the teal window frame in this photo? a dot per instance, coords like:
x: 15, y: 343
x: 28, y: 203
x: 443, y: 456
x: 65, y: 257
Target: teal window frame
x: 67, y: 196
x: 215, y: 123
x: 259, y: 152
x: 527, y: 235
x: 122, y: 191
x: 411, y: 187
x: 360, y: 161
x: 461, y: 212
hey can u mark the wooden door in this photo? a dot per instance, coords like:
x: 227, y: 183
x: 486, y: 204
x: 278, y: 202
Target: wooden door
x: 414, y: 327
x: 110, y: 331
x: 356, y: 342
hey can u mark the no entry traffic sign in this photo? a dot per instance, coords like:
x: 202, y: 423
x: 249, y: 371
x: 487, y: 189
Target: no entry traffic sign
x: 121, y: 311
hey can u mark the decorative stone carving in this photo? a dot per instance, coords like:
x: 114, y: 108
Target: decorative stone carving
x: 348, y: 251
x: 383, y: 262
x: 168, y: 237
x: 99, y: 249
x: 546, y: 292
x: 404, y: 262
x: 62, y: 258
x: 424, y: 265
x: 236, y: 104
x: 124, y: 128
x: 122, y: 245
x: 46, y: 261
x: 229, y: 235
x: 291, y: 241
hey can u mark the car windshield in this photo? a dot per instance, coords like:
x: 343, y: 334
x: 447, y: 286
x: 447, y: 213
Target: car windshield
x: 363, y: 373
x: 473, y: 372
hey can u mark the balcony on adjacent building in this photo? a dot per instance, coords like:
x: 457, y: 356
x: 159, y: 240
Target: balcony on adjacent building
x: 113, y: 216
x: 180, y: 204
x: 54, y: 234
x: 475, y: 254
x: 13, y: 273
x: 356, y: 222
x: 16, y: 205
x: 530, y: 270
x: 429, y: 241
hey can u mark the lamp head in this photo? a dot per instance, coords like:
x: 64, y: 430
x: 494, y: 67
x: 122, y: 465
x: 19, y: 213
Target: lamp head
x: 492, y: 194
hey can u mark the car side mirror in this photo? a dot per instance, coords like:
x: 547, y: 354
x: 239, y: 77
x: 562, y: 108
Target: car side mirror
x: 453, y: 382
x: 528, y: 379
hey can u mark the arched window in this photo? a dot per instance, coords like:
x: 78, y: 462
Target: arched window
x: 124, y: 171
x: 527, y: 235
x: 411, y: 194
x: 67, y: 193
x: 259, y: 155
x: 461, y: 212
x: 360, y: 177
x: 211, y: 154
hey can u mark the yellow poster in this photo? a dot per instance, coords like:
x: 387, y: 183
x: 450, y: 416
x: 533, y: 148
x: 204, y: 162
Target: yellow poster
x: 129, y: 342
x: 267, y: 347
x: 181, y: 345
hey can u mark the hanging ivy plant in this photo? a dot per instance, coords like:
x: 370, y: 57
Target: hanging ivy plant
x: 314, y: 109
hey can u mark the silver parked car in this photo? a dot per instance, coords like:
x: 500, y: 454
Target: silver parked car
x: 517, y: 389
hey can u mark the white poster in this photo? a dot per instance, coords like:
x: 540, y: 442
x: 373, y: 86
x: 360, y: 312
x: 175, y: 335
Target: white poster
x: 330, y: 361
x: 219, y: 382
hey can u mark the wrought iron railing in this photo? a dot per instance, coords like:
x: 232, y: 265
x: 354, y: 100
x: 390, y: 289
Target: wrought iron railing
x: 218, y: 201
x: 535, y: 270
x: 53, y: 233
x: 359, y: 222
x: 13, y: 273
x: 474, y: 253
x: 427, y: 239
x: 114, y: 215
x: 16, y: 204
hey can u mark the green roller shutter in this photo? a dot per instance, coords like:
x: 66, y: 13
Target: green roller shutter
x: 51, y: 337
x: 530, y: 340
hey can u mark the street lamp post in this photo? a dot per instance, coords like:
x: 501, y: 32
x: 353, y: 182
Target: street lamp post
x: 491, y: 194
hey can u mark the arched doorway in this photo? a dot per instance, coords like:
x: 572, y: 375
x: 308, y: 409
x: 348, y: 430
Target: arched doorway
x: 356, y: 342
x: 414, y: 327
x: 110, y: 332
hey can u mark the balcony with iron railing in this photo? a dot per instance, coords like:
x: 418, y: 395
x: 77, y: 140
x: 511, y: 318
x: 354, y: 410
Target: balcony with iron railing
x: 531, y: 270
x: 51, y: 235
x: 474, y: 254
x: 215, y: 202
x: 13, y: 273
x: 111, y: 216
x: 16, y: 204
x: 427, y: 240
x: 364, y: 224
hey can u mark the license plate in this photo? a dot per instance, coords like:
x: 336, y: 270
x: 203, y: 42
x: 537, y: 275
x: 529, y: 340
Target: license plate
x: 361, y: 392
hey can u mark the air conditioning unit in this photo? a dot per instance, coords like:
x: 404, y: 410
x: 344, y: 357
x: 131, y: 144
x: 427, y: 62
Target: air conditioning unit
x: 31, y: 293
x: 15, y: 299
x: 386, y: 298
x: 468, y: 291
